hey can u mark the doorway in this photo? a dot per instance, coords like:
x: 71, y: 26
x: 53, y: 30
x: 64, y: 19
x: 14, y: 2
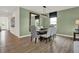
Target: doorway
x: 34, y: 20
x: 4, y: 23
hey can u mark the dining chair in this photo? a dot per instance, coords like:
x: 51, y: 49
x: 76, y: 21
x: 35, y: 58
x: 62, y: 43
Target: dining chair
x: 34, y: 34
x: 51, y: 32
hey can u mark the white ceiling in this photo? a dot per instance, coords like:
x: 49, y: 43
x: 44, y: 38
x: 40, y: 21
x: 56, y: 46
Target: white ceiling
x: 39, y: 9
x: 7, y: 10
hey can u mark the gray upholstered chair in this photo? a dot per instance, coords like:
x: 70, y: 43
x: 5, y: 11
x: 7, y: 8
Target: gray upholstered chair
x: 50, y: 33
x: 34, y: 33
x: 53, y: 31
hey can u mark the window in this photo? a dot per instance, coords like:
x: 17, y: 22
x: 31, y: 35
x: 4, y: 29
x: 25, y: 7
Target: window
x: 53, y: 20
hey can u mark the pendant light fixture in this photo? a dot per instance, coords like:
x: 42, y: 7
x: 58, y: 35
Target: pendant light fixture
x: 44, y: 11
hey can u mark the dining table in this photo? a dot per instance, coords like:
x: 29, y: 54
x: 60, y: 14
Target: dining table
x: 42, y: 31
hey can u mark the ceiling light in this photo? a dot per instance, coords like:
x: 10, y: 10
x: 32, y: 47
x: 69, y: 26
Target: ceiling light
x: 44, y: 11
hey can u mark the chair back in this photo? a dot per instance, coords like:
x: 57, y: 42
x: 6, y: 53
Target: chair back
x: 51, y: 31
x: 33, y: 31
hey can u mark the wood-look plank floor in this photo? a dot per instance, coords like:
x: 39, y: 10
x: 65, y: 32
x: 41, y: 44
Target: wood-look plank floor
x: 11, y: 44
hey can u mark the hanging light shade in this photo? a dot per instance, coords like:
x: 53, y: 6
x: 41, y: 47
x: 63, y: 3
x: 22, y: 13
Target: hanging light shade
x: 44, y: 11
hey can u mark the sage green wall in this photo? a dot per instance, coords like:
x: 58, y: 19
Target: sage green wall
x: 24, y: 22
x: 41, y: 20
x: 66, y: 21
x: 45, y: 21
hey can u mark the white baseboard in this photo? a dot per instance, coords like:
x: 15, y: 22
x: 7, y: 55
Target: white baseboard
x: 20, y: 36
x: 65, y: 35
x: 15, y: 34
x: 24, y: 36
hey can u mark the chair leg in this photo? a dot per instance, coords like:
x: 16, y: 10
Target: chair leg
x: 46, y: 40
x: 35, y: 40
x: 49, y: 39
x: 31, y: 38
x: 53, y: 37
